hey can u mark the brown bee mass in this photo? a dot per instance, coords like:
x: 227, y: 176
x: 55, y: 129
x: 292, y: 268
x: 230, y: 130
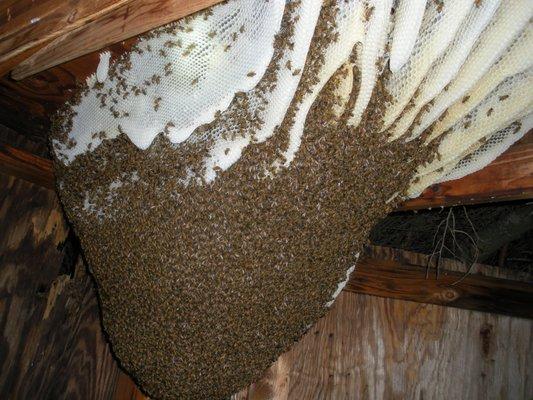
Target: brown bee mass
x: 203, y: 286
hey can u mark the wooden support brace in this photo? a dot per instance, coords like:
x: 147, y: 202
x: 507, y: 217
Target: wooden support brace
x: 121, y: 23
x: 391, y: 279
x: 509, y: 177
x: 24, y: 165
x: 27, y: 24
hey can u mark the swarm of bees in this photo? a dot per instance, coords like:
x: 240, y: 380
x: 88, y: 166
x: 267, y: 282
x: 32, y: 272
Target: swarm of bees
x: 257, y: 111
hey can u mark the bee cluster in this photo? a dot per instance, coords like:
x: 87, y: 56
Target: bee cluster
x: 217, y: 240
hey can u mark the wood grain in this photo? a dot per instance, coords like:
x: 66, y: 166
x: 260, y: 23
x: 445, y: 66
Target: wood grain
x: 126, y: 389
x: 8, y: 65
x: 369, y: 347
x: 509, y: 177
x: 396, y: 280
x: 27, y: 166
x: 26, y: 106
x: 33, y: 23
x: 51, y: 342
x: 134, y: 18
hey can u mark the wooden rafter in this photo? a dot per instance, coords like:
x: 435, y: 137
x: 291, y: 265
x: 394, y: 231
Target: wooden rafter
x: 24, y: 165
x: 27, y: 24
x: 509, y: 177
x: 131, y: 19
x: 392, y: 279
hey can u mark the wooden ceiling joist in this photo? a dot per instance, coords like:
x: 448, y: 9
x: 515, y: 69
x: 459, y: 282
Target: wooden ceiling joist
x: 509, y: 177
x: 24, y: 165
x: 132, y: 18
x: 396, y: 280
x: 27, y: 24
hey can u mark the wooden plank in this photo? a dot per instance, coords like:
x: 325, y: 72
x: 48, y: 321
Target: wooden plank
x: 26, y: 106
x: 24, y: 165
x: 134, y: 18
x: 52, y: 343
x: 369, y: 347
x: 408, y: 257
x: 509, y: 177
x: 126, y: 389
x: 34, y: 23
x: 386, y: 278
x: 8, y: 65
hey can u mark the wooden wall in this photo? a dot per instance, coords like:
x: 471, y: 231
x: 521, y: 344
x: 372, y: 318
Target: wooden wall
x: 366, y: 347
x: 375, y: 348
x: 51, y: 343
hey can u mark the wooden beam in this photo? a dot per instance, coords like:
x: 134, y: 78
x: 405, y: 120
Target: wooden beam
x: 7, y: 66
x: 134, y: 18
x: 509, y: 177
x: 39, y: 22
x: 24, y: 165
x: 391, y: 279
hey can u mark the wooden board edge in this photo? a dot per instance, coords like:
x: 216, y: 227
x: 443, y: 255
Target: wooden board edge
x: 119, y: 24
x: 391, y: 279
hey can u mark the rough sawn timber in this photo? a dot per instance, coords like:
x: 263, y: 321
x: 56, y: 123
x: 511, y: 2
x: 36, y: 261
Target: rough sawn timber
x: 25, y: 24
x: 508, y: 177
x: 121, y: 23
x: 51, y: 341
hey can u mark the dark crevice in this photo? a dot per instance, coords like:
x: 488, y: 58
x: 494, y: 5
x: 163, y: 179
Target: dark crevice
x: 71, y: 252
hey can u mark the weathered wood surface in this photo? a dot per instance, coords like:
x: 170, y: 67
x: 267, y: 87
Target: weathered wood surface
x: 134, y: 18
x: 7, y: 65
x: 509, y: 177
x: 368, y: 347
x: 51, y: 342
x: 27, y: 166
x: 418, y: 259
x: 391, y: 279
x: 26, y: 23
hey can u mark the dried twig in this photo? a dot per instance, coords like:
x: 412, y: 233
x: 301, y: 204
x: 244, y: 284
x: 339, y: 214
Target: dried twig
x: 440, y: 244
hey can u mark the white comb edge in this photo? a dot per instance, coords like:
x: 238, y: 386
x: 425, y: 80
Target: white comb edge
x: 103, y: 66
x: 407, y: 25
